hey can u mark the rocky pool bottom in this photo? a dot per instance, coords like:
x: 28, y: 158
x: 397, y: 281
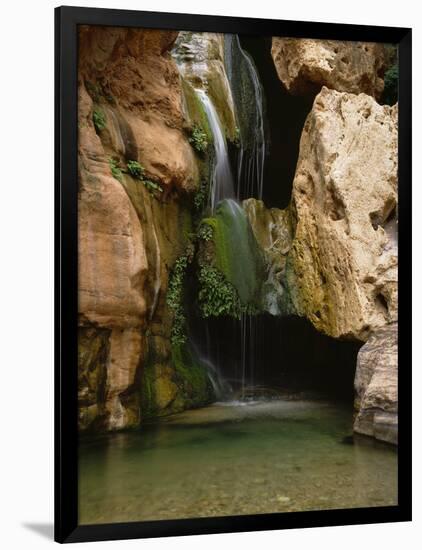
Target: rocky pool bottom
x: 233, y: 459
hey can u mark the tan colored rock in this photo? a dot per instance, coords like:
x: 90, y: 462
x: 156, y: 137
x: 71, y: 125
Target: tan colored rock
x: 376, y: 386
x: 131, y: 73
x: 129, y: 238
x: 305, y: 65
x: 112, y: 259
x: 121, y: 395
x: 342, y: 268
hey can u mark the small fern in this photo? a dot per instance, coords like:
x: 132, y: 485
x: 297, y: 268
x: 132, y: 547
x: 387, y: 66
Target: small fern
x: 116, y: 171
x: 99, y: 119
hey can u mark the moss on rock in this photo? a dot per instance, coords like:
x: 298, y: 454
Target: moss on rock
x: 234, y: 252
x: 93, y: 350
x: 182, y: 384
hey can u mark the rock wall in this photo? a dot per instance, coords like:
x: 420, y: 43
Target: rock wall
x: 305, y: 65
x: 376, y: 386
x: 132, y: 226
x: 342, y: 267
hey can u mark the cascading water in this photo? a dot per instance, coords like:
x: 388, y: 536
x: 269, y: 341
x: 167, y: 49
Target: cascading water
x: 248, y: 98
x: 244, y: 80
x: 222, y: 181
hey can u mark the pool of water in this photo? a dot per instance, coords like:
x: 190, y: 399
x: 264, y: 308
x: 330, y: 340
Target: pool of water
x: 231, y: 459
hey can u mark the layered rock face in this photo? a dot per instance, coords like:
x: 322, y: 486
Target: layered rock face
x: 342, y: 267
x: 130, y: 111
x: 376, y: 386
x: 305, y: 65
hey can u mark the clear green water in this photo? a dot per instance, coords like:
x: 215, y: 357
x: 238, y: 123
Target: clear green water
x: 230, y: 459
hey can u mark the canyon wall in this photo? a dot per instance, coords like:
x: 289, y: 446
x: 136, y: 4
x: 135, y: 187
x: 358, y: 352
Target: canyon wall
x: 137, y: 176
x: 340, y: 269
x: 144, y: 174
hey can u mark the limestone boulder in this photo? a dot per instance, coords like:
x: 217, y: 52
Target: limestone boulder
x: 305, y: 65
x: 341, y: 271
x: 376, y: 386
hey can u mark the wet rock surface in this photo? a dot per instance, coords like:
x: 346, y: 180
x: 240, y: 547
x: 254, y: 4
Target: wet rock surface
x: 200, y: 58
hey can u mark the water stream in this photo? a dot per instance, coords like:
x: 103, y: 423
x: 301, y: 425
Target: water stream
x: 222, y: 182
x: 247, y: 89
x: 250, y: 183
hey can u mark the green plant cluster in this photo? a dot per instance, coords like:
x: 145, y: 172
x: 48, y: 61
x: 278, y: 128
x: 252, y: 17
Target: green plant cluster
x: 198, y: 139
x: 116, y: 171
x: 134, y: 169
x: 152, y: 186
x: 99, y: 119
x: 205, y: 232
x: 175, y: 300
x: 137, y: 171
x: 201, y: 196
x: 237, y: 140
x: 99, y: 92
x: 216, y: 295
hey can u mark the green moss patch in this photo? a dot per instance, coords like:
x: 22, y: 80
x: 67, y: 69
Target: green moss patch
x: 99, y: 119
x: 191, y: 377
x: 235, y: 252
x: 175, y: 300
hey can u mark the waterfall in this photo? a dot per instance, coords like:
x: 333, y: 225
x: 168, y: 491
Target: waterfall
x: 242, y: 267
x: 250, y: 184
x: 222, y: 181
x: 248, y: 98
x: 249, y: 106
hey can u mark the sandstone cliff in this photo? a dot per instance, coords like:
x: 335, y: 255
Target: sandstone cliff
x: 135, y: 168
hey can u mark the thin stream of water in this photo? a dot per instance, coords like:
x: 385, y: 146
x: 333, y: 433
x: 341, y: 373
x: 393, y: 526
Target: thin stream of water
x: 253, y: 147
x: 222, y: 184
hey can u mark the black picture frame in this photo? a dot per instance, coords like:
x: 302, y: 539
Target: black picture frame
x: 67, y: 20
